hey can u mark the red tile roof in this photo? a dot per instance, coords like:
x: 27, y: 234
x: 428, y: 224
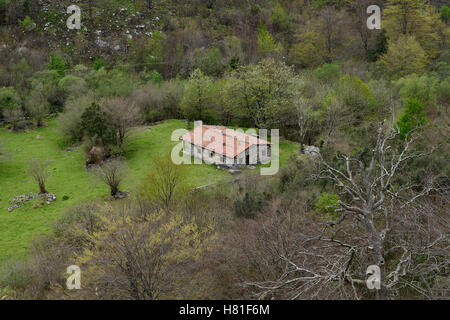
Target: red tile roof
x: 221, y: 140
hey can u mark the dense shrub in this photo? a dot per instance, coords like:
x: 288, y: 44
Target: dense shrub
x: 9, y: 99
x: 327, y: 73
x: 413, y: 117
x: 327, y: 204
x: 249, y: 205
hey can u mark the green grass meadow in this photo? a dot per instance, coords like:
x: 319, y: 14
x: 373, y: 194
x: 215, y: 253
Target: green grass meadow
x: 70, y: 178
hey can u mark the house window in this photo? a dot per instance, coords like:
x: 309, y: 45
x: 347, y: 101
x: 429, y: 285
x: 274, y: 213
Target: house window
x: 263, y: 152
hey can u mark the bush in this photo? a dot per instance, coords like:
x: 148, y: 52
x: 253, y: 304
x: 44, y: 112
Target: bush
x: 327, y: 73
x: 69, y: 122
x: 421, y: 88
x: 355, y: 94
x: 9, y: 99
x: 327, y: 203
x: 162, y: 101
x: 27, y: 24
x: 249, y: 205
x: 57, y: 64
x: 413, y: 117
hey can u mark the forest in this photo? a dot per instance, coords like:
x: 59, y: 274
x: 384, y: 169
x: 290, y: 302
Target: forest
x: 87, y: 179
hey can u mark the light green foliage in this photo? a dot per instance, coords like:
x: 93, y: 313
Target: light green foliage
x: 72, y: 85
x: 413, y: 18
x: 156, y: 77
x: 19, y: 73
x: 156, y: 51
x: 266, y: 43
x: 37, y: 104
x: 404, y: 56
x: 413, y: 117
x: 445, y: 13
x: 309, y: 52
x: 421, y: 88
x: 9, y: 99
x: 265, y: 92
x: 57, y: 64
x: 107, y: 83
x: 209, y: 61
x: 280, y: 17
x: 69, y: 122
x: 27, y: 24
x: 166, y: 242
x: 356, y: 95
x: 198, y: 100
x: 98, y: 64
x: 327, y: 203
x: 327, y: 73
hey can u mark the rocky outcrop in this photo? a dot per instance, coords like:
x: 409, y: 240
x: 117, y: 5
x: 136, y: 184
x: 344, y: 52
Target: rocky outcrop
x: 17, y: 202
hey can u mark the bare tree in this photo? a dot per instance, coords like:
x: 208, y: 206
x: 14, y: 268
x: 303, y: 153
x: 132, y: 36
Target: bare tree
x: 162, y: 183
x: 380, y: 224
x: 141, y: 260
x: 122, y: 114
x: 304, y: 119
x: 13, y: 116
x: 38, y: 170
x: 112, y: 173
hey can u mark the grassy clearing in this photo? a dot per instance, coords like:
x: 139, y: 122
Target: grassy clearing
x: 70, y: 178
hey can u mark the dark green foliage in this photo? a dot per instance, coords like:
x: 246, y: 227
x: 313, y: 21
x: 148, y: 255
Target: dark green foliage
x: 156, y: 77
x: 445, y: 13
x: 249, y: 205
x: 380, y: 46
x: 98, y: 64
x: 413, y: 117
x: 9, y: 99
x: 94, y: 125
x: 327, y: 73
x: 327, y: 203
x: 56, y: 63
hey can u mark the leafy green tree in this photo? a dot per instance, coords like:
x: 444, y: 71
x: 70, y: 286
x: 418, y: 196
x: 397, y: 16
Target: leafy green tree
x: 445, y: 13
x: 98, y: 64
x: 413, y: 17
x: 9, y: 99
x: 94, y: 124
x: 37, y: 105
x: 280, y: 17
x: 57, y: 63
x: 327, y: 73
x: 413, y: 117
x: 266, y: 43
x: 356, y: 95
x: 421, y: 88
x: 327, y: 203
x: 198, y: 100
x: 264, y: 93
x: 209, y: 61
x: 155, y: 48
x: 310, y: 51
x: 404, y: 56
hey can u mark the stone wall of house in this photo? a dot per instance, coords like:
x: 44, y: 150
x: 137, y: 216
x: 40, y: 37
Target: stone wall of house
x: 256, y: 155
